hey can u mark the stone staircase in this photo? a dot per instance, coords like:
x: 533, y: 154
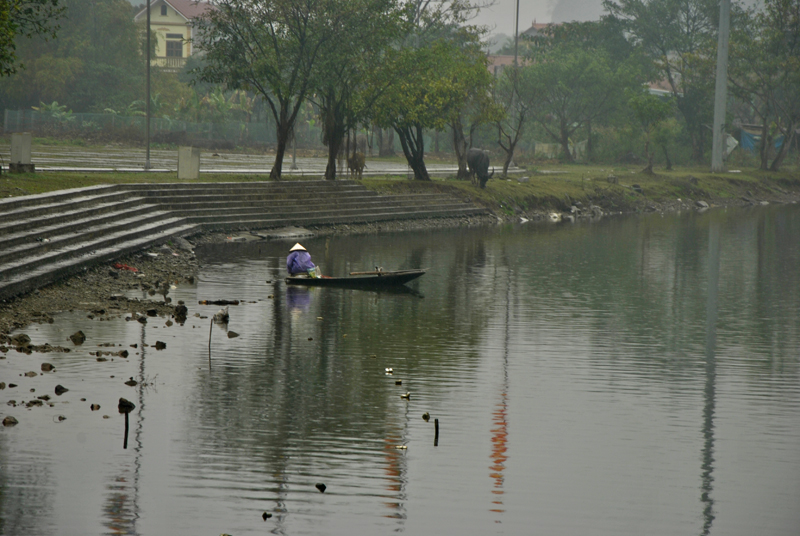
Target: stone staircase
x: 50, y: 236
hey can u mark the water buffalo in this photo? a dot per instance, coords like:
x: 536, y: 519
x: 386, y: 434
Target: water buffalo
x: 356, y: 165
x: 478, y: 162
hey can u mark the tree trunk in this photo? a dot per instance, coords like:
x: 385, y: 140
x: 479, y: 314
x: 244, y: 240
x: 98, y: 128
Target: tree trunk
x: 386, y: 146
x: 460, y: 148
x: 649, y: 169
x: 764, y: 149
x: 413, y: 143
x: 509, y: 156
x: 284, y: 133
x: 788, y: 139
x: 666, y: 155
x: 589, y: 147
x: 565, y: 144
x: 333, y: 130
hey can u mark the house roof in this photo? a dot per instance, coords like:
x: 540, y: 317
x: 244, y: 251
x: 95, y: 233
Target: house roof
x: 188, y: 9
x: 536, y: 28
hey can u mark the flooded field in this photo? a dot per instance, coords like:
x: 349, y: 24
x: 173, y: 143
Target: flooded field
x: 630, y: 376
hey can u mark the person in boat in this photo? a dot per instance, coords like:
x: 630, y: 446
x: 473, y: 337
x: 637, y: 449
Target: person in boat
x: 298, y: 263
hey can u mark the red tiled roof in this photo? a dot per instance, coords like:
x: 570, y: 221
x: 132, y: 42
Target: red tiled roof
x: 190, y: 9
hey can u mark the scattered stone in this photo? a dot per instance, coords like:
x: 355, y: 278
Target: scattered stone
x: 321, y: 487
x: 123, y: 353
x: 44, y: 397
x: 168, y: 323
x: 32, y: 403
x: 152, y: 312
x: 131, y: 382
x: 10, y: 421
x: 12, y: 402
x: 47, y: 367
x: 60, y: 390
x: 31, y: 374
x: 398, y: 382
x: 125, y: 406
x: 266, y: 516
x: 406, y: 396
x: 232, y: 334
x: 161, y: 345
x: 12, y: 385
x: 78, y: 338
x: 701, y: 204
x: 311, y: 338
x: 102, y: 359
x: 94, y: 407
x: 636, y: 188
x: 2, y: 385
x: 426, y: 416
x: 20, y: 340
x: 142, y: 319
x: 61, y: 418
x: 135, y: 345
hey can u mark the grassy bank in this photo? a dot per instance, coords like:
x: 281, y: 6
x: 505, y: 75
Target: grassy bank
x: 551, y: 188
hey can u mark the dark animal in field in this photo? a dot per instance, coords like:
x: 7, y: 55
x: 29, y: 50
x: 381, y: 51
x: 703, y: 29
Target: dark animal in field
x: 478, y: 162
x: 356, y: 165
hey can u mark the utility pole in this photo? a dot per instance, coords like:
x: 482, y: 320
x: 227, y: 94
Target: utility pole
x: 721, y: 89
x: 516, y: 35
x: 147, y: 102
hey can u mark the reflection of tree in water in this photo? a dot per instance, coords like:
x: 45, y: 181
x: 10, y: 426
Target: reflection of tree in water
x: 120, y: 508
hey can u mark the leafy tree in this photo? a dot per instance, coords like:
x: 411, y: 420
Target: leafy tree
x: 270, y: 47
x: 650, y: 111
x: 679, y: 37
x: 428, y: 94
x: 474, y: 83
x: 765, y: 72
x: 24, y: 18
x: 516, y: 93
x: 434, y: 69
x: 345, y: 81
x: 575, y: 86
x: 95, y: 62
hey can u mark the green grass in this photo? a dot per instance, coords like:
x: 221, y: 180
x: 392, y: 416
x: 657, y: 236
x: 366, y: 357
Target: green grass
x: 548, y: 187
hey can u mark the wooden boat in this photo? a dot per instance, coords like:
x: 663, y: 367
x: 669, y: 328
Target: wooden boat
x: 377, y: 279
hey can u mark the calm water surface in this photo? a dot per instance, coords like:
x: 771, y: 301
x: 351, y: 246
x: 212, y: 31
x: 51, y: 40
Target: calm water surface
x: 633, y: 376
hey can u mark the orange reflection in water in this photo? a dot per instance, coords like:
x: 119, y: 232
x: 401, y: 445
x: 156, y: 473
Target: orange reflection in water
x: 499, y: 447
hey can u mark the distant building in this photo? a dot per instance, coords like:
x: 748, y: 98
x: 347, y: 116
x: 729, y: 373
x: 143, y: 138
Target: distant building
x: 171, y: 22
x: 535, y: 30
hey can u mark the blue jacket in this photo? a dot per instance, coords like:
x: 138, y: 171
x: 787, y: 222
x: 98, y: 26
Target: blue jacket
x: 299, y: 262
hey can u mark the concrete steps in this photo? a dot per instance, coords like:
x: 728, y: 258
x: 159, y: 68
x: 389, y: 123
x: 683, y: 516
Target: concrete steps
x: 47, y: 237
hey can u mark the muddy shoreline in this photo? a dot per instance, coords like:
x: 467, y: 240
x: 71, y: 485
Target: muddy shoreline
x: 99, y: 291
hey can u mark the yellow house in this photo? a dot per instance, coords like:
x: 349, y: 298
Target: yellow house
x: 171, y: 23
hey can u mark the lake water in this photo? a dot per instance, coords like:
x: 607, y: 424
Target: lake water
x: 625, y: 377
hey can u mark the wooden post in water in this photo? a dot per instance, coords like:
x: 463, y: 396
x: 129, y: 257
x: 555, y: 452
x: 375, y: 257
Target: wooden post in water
x: 436, y: 436
x: 125, y: 441
x: 210, y: 329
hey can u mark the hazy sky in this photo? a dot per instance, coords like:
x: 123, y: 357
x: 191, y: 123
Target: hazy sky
x: 501, y: 15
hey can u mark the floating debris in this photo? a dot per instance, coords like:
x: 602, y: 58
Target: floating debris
x: 266, y: 516
x: 60, y: 390
x: 94, y: 407
x: 131, y: 382
x: 161, y: 345
x: 10, y: 421
x: 398, y: 382
x: 31, y: 374
x: 400, y: 447
x: 426, y: 416
x: 232, y: 334
x: 47, y: 367
x: 406, y: 396
x: 321, y: 487
x: 389, y: 370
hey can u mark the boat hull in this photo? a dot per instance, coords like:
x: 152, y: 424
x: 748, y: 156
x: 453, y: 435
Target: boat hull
x: 380, y: 280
